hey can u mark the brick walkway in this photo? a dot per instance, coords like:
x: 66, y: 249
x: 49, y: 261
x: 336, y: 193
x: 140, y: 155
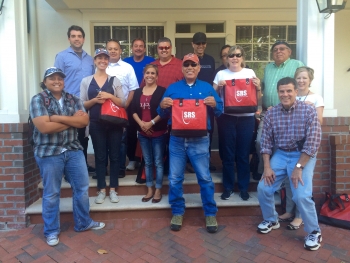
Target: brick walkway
x: 151, y: 240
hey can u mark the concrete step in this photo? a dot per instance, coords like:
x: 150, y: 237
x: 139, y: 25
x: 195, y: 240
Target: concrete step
x: 131, y: 206
x: 128, y: 186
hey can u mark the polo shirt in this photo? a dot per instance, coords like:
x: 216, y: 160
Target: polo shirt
x: 75, y: 69
x: 139, y: 66
x: 169, y: 73
x: 272, y: 75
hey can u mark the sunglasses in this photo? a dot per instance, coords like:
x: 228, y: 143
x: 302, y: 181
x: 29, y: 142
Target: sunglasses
x: 164, y: 48
x: 201, y: 43
x: 192, y: 64
x: 238, y: 55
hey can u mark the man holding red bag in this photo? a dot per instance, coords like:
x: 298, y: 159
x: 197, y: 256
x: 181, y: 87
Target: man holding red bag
x: 195, y: 148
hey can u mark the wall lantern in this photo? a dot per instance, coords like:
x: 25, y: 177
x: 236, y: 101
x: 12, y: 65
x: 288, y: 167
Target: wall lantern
x: 330, y: 6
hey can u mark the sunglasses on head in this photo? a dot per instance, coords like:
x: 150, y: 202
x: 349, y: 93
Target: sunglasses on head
x: 164, y: 48
x: 192, y: 64
x: 201, y: 43
x: 238, y: 55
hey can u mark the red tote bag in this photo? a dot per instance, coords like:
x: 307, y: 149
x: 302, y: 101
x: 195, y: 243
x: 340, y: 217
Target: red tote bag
x: 112, y: 113
x: 240, y: 96
x: 189, y: 118
x: 336, y: 211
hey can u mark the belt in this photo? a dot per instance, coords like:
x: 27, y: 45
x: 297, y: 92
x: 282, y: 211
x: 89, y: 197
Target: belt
x: 290, y: 150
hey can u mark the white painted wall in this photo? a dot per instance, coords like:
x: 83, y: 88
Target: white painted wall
x: 342, y: 62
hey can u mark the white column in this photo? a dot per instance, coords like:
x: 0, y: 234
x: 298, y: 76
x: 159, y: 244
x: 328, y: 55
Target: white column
x: 316, y: 49
x: 14, y: 66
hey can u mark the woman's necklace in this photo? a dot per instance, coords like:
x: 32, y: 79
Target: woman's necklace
x: 305, y: 96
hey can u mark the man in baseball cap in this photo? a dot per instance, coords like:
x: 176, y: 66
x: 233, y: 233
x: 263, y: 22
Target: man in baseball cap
x: 193, y: 148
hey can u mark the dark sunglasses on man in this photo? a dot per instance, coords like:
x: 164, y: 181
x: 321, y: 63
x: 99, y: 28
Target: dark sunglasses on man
x: 192, y: 64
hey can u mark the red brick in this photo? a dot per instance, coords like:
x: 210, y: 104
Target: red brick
x: 14, y: 198
x: 14, y: 211
x: 18, y: 184
x: 13, y: 156
x: 5, y: 149
x: 13, y: 143
x: 6, y: 163
x: 6, y: 205
x: 7, y: 191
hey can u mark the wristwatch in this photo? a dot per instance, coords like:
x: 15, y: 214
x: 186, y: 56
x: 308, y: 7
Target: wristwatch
x: 153, y: 122
x: 298, y: 165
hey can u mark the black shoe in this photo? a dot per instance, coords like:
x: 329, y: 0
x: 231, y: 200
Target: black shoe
x: 91, y: 169
x: 226, y: 194
x: 212, y: 167
x: 121, y: 174
x: 257, y: 176
x: 244, y: 195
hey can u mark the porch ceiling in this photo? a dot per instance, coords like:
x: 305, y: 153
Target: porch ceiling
x: 168, y: 4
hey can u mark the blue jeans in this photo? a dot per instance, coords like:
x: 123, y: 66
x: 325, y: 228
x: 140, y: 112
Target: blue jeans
x: 72, y: 164
x: 197, y: 150
x: 122, y: 151
x: 153, y: 151
x: 235, y: 139
x: 103, y: 134
x: 283, y: 163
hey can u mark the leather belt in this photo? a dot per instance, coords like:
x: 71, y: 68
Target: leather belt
x: 290, y: 150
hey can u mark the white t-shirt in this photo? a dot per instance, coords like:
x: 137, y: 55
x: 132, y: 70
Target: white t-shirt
x: 227, y: 74
x: 126, y: 74
x: 316, y: 99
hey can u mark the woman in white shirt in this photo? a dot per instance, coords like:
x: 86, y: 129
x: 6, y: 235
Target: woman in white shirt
x: 235, y: 129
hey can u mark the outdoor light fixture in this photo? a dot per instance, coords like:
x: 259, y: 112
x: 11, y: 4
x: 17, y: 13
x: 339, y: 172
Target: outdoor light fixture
x: 330, y: 6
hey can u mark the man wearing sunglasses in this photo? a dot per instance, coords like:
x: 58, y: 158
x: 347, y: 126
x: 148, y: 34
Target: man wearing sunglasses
x: 76, y: 64
x: 282, y: 66
x: 193, y: 148
x: 169, y: 67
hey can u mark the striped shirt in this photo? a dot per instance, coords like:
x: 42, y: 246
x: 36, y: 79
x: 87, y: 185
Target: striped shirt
x: 283, y: 128
x: 272, y: 75
x: 54, y: 144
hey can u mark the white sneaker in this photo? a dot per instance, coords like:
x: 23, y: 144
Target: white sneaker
x: 266, y: 226
x: 100, y: 197
x: 113, y: 196
x: 52, y: 240
x: 131, y: 166
x: 313, y: 241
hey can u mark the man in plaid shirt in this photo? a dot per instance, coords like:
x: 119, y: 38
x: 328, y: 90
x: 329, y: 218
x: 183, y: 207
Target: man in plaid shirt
x: 293, y: 129
x: 57, y: 151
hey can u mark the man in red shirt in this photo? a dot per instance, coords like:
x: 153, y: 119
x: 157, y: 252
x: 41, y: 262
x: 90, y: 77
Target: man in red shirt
x: 169, y: 67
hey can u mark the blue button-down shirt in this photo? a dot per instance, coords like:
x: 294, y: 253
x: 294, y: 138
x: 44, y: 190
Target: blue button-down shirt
x: 199, y: 90
x: 75, y: 68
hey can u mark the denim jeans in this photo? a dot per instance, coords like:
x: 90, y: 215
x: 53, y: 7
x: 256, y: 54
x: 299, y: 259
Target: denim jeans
x: 122, y: 151
x: 283, y: 163
x: 103, y: 135
x: 235, y: 139
x: 197, y: 150
x: 153, y: 153
x: 72, y: 164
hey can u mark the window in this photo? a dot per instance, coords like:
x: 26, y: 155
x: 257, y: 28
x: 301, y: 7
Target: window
x: 125, y: 35
x: 257, y: 41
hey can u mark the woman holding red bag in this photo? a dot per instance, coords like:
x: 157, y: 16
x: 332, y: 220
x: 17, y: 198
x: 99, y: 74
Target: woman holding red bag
x: 94, y: 91
x: 151, y: 130
x: 235, y: 129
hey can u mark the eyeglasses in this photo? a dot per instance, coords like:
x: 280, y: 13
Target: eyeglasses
x: 201, y: 43
x: 238, y: 55
x: 164, y: 48
x: 187, y: 64
x: 276, y: 49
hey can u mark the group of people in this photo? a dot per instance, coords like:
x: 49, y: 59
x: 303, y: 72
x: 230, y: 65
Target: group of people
x: 289, y: 129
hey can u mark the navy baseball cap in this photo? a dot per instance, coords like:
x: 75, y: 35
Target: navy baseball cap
x: 100, y: 51
x: 53, y: 70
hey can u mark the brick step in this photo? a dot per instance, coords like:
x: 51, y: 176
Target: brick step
x: 131, y: 206
x: 128, y: 186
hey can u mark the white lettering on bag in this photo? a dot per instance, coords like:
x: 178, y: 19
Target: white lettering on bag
x: 114, y: 107
x: 240, y: 94
x: 187, y: 116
